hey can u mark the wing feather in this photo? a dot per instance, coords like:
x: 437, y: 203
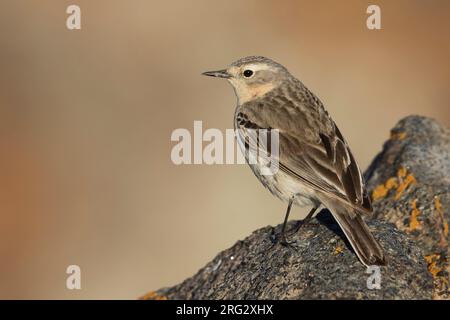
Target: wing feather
x: 322, y: 161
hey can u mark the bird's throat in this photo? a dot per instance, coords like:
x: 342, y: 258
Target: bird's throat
x: 249, y: 93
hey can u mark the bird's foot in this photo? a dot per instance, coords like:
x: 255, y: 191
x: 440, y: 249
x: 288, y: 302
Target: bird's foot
x: 280, y: 238
x: 285, y: 243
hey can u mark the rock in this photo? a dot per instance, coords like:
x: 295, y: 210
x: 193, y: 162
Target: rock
x: 410, y: 186
x: 319, y: 265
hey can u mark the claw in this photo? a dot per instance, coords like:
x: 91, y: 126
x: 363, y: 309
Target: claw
x: 280, y: 239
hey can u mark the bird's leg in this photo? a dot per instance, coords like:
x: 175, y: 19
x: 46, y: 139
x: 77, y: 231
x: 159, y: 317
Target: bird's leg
x: 282, y: 236
x: 305, y: 220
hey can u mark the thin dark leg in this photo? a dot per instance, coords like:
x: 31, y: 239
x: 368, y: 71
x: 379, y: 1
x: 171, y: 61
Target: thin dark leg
x: 309, y: 215
x: 286, y: 217
x: 305, y: 220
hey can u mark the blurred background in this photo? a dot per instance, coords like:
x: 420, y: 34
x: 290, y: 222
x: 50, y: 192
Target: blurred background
x: 86, y: 118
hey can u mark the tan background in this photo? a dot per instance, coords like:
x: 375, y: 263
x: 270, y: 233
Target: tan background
x: 86, y: 118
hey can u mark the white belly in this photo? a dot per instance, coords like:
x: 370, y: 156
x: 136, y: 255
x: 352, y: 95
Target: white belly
x: 279, y: 184
x: 285, y: 187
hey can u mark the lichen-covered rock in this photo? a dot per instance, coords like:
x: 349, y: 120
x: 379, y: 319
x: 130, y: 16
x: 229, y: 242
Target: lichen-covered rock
x: 317, y: 265
x: 409, y: 184
x: 410, y: 187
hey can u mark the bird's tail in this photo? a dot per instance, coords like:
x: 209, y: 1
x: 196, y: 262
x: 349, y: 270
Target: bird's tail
x: 358, y: 234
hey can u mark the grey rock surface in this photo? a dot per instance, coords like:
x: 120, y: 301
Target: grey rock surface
x: 409, y: 185
x: 319, y: 265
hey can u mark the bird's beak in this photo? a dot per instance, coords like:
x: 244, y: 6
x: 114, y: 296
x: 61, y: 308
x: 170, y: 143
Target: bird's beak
x: 217, y: 74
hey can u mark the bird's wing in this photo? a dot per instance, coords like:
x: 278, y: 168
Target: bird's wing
x: 311, y: 149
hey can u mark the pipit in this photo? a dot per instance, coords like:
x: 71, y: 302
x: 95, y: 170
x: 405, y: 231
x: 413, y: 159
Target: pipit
x: 316, y: 165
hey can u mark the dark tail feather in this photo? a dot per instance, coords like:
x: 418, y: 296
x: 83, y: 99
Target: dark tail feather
x: 358, y: 234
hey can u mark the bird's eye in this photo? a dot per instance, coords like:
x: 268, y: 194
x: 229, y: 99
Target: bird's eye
x: 248, y: 73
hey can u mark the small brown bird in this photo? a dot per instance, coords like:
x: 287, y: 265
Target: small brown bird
x: 316, y: 166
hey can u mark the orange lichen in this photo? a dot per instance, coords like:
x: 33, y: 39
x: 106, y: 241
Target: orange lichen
x: 391, y: 183
x: 152, y: 295
x: 401, y: 182
x: 401, y: 173
x: 338, y: 250
x: 431, y: 262
x: 398, y: 135
x: 379, y: 192
x: 382, y: 190
x: 438, y: 205
x: 405, y: 181
x: 414, y: 224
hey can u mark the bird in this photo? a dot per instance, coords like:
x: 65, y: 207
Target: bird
x: 315, y: 164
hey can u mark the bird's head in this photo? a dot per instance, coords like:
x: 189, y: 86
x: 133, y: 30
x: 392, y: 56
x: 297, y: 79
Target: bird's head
x: 252, y: 77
